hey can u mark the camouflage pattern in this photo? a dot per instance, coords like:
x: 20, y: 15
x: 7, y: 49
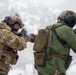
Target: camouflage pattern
x: 9, y: 39
x: 56, y: 65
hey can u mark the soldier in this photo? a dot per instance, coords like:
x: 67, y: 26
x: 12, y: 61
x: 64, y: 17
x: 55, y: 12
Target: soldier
x: 10, y: 42
x: 63, y: 38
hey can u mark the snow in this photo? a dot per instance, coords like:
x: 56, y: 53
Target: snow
x: 27, y: 71
x: 17, y: 72
x: 35, y: 14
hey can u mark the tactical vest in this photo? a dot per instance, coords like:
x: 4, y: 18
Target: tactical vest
x: 11, y: 56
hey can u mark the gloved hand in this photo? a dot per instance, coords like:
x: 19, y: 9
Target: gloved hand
x: 23, y: 33
x: 32, y: 38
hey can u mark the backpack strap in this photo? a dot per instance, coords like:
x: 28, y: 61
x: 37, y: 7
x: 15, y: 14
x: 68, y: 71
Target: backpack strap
x: 63, y: 42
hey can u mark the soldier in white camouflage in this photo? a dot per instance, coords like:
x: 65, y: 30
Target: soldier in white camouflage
x: 10, y: 43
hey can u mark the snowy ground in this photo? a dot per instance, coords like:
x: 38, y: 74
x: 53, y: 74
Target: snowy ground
x: 27, y: 71
x: 35, y: 14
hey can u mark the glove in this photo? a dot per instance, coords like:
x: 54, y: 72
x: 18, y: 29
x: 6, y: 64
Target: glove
x: 32, y: 38
x: 24, y: 33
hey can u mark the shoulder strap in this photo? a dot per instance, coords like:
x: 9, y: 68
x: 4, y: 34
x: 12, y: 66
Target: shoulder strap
x: 63, y: 42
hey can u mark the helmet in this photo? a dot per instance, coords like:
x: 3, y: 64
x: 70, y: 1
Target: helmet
x: 11, y: 20
x: 69, y: 17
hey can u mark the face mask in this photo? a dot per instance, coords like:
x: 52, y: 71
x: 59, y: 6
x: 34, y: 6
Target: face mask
x: 70, y: 21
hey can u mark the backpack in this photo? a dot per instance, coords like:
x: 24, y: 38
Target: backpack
x: 43, y: 39
x: 42, y: 46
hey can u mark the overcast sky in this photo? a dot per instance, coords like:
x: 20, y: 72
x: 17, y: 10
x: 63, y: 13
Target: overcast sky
x: 49, y: 3
x: 35, y: 14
